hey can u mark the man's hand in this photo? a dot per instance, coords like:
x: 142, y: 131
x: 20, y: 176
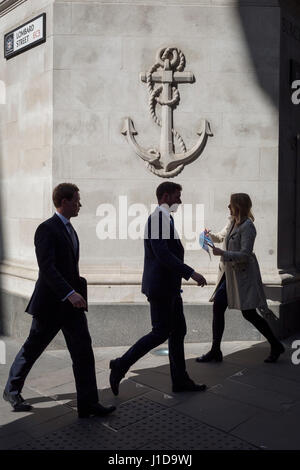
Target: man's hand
x: 217, y: 251
x: 201, y: 281
x: 77, y: 300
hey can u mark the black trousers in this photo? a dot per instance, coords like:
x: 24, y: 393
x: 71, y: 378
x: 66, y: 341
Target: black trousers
x: 75, y: 330
x: 219, y: 307
x: 168, y: 322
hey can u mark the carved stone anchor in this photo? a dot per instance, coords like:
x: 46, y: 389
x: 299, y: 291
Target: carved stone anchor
x: 166, y: 74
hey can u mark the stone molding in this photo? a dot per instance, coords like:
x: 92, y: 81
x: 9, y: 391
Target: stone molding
x: 7, y: 5
x: 99, y: 275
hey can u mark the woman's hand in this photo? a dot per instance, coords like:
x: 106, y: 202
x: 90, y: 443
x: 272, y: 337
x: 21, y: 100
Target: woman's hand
x: 217, y: 251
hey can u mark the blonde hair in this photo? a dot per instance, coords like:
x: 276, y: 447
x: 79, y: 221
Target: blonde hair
x: 241, y: 207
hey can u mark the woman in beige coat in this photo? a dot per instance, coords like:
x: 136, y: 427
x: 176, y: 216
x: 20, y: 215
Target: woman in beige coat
x: 239, y: 283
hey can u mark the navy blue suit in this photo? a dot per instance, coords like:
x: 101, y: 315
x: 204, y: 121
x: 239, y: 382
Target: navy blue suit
x: 164, y: 269
x: 58, y: 276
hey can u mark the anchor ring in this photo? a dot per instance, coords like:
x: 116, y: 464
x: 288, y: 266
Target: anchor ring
x: 162, y: 52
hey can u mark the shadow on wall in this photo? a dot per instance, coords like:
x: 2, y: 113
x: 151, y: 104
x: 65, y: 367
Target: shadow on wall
x: 1, y: 258
x: 260, y: 26
x: 2, y: 103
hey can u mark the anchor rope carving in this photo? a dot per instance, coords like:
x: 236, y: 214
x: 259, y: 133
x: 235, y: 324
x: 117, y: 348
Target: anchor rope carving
x: 167, y: 73
x: 153, y: 99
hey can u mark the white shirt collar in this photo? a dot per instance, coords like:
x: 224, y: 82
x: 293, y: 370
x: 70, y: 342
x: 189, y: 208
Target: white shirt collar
x: 62, y: 218
x: 164, y: 210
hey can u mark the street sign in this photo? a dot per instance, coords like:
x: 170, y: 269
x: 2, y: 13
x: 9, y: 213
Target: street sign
x: 25, y: 37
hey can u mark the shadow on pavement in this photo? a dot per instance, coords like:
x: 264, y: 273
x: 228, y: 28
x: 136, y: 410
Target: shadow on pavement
x: 241, y: 389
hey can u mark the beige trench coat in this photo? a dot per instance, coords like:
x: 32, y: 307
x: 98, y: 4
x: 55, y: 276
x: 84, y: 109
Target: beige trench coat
x: 243, y: 280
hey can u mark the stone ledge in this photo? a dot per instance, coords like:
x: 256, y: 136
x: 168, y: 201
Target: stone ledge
x: 124, y: 323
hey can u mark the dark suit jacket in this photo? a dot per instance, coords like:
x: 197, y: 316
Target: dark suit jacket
x: 58, y: 269
x: 163, y: 263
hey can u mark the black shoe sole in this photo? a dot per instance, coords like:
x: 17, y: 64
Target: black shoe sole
x: 88, y: 414
x: 203, y: 361
x: 182, y: 390
x: 18, y: 408
x: 275, y: 356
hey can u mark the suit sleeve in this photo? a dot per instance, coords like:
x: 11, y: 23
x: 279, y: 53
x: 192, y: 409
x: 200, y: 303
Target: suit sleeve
x: 248, y: 234
x: 45, y: 254
x: 168, y: 260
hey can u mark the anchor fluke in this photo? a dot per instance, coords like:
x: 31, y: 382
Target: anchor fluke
x: 151, y: 156
x: 191, y: 155
x: 128, y: 127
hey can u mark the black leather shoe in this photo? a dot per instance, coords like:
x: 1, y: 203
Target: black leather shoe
x: 116, y: 375
x: 275, y: 353
x: 95, y: 410
x: 211, y: 356
x: 189, y: 386
x: 17, y: 402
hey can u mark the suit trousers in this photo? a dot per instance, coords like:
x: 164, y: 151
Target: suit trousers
x: 75, y: 330
x: 168, y: 322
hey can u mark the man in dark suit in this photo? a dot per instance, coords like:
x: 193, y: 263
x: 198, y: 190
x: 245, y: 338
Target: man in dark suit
x: 163, y: 271
x: 58, y: 303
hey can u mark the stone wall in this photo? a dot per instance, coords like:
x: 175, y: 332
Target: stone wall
x: 66, y: 103
x: 99, y: 51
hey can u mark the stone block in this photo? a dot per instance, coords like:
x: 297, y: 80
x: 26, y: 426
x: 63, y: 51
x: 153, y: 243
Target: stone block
x: 77, y: 127
x: 62, y: 18
x: 249, y: 129
x: 83, y: 52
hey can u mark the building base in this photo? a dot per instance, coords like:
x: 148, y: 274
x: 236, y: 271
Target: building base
x: 121, y: 324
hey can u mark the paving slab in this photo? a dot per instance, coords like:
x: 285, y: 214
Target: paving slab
x: 250, y: 395
x: 268, y: 382
x: 155, y: 381
x: 163, y: 398
x: 13, y: 422
x: 249, y: 405
x: 272, y: 431
x: 216, y: 411
x: 211, y: 373
x: 8, y: 442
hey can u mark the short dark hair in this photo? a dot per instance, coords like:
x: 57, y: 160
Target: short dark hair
x: 63, y: 191
x: 167, y: 187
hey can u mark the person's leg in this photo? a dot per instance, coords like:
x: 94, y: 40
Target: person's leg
x: 181, y: 382
x: 218, y: 324
x: 79, y: 343
x: 42, y: 331
x: 159, y: 309
x: 263, y: 327
x: 219, y: 308
x: 177, y: 324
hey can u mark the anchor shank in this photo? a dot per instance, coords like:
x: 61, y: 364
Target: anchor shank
x: 166, y: 137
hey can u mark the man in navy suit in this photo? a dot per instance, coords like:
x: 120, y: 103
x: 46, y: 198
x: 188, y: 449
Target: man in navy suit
x: 58, y: 303
x: 163, y: 271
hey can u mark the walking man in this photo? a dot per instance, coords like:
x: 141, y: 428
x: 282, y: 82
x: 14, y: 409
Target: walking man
x: 163, y: 271
x: 58, y: 303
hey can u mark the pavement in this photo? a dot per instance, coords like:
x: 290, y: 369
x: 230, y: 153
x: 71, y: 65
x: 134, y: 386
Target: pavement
x: 249, y: 405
